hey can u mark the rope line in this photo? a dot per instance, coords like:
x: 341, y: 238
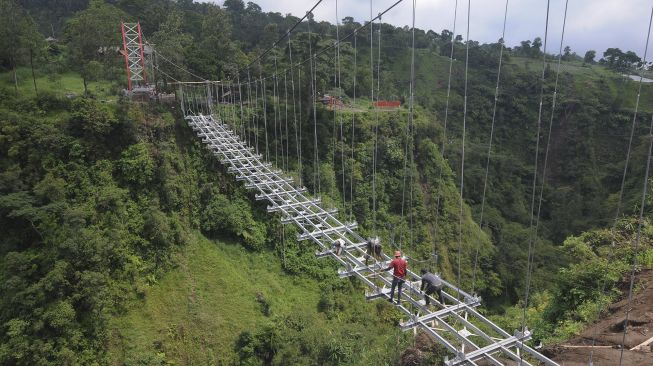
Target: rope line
x: 265, y: 115
x: 249, y: 108
x: 376, y: 117
x: 335, y: 108
x: 637, y: 242
x: 642, y: 203
x: 256, y: 118
x: 276, y: 122
x: 316, y: 154
x: 159, y: 54
x: 531, y: 239
x: 411, y: 129
x: 278, y: 41
x: 462, y: 155
x: 623, y: 182
x: 294, y: 112
x: 353, y: 129
x: 285, y: 94
x: 489, y: 150
x: 300, y: 159
x: 408, y: 146
x: 444, y: 138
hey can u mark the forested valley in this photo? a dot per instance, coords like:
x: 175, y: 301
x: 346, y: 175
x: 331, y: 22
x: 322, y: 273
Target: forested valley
x: 124, y: 241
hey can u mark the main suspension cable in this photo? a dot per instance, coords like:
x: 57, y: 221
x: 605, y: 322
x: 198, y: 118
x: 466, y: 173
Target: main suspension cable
x: 280, y: 39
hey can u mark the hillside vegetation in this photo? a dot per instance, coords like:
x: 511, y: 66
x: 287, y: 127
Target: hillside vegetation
x: 124, y: 241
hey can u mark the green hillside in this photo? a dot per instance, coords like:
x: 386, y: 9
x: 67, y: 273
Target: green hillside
x: 222, y: 305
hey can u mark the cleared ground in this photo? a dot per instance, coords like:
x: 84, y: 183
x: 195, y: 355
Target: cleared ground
x: 608, y: 333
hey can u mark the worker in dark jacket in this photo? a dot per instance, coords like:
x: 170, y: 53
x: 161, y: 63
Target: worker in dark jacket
x: 374, y: 249
x: 431, y: 284
x: 337, y: 246
x: 398, y: 265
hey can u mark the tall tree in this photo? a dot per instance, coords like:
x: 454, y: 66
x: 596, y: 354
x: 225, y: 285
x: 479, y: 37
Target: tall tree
x: 566, y: 55
x: 612, y: 57
x: 92, y: 36
x: 536, y: 47
x: 171, y: 43
x: 589, y: 57
x: 216, y: 41
x: 32, y: 41
x: 20, y: 40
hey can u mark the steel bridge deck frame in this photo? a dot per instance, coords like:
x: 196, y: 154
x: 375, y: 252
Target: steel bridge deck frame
x: 459, y: 320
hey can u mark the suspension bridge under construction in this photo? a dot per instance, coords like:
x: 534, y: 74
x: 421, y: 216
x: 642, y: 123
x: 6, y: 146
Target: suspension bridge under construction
x: 458, y: 326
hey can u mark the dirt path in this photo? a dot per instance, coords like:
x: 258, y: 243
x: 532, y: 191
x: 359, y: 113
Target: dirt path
x: 609, y: 333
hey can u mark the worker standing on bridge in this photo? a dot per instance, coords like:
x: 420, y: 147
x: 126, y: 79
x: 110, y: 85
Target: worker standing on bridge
x: 431, y: 284
x: 398, y: 265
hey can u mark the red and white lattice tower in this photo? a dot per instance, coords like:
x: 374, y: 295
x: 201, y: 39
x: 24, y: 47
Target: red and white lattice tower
x: 134, y: 55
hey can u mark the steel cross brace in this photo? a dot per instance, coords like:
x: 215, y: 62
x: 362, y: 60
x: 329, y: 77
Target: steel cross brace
x: 293, y: 205
x: 276, y: 194
x: 319, y: 233
x: 279, y: 182
x: 239, y: 159
x: 462, y: 359
x: 308, y: 215
x: 247, y: 168
x: 253, y: 175
x: 433, y: 316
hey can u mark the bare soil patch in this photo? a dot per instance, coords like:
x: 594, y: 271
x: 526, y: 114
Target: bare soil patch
x: 602, y: 340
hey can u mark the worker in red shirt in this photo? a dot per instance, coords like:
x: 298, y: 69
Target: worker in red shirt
x: 398, y: 265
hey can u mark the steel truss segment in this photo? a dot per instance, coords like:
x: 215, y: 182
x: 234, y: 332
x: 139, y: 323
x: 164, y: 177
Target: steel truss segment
x: 308, y: 215
x: 416, y: 321
x: 267, y: 176
x: 237, y: 160
x: 480, y: 353
x: 343, y: 229
x: 277, y: 195
x: 294, y: 205
x: 244, y: 170
x: 207, y: 132
x: 455, y: 331
x: 375, y: 267
x: 262, y: 184
x: 246, y: 175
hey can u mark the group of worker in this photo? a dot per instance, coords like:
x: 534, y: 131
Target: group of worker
x: 431, y: 283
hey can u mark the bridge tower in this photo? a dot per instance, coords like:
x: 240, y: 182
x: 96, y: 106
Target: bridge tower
x: 134, y: 54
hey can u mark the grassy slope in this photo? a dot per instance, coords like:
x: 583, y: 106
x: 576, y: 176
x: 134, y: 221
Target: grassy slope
x: 66, y: 83
x: 196, y: 312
